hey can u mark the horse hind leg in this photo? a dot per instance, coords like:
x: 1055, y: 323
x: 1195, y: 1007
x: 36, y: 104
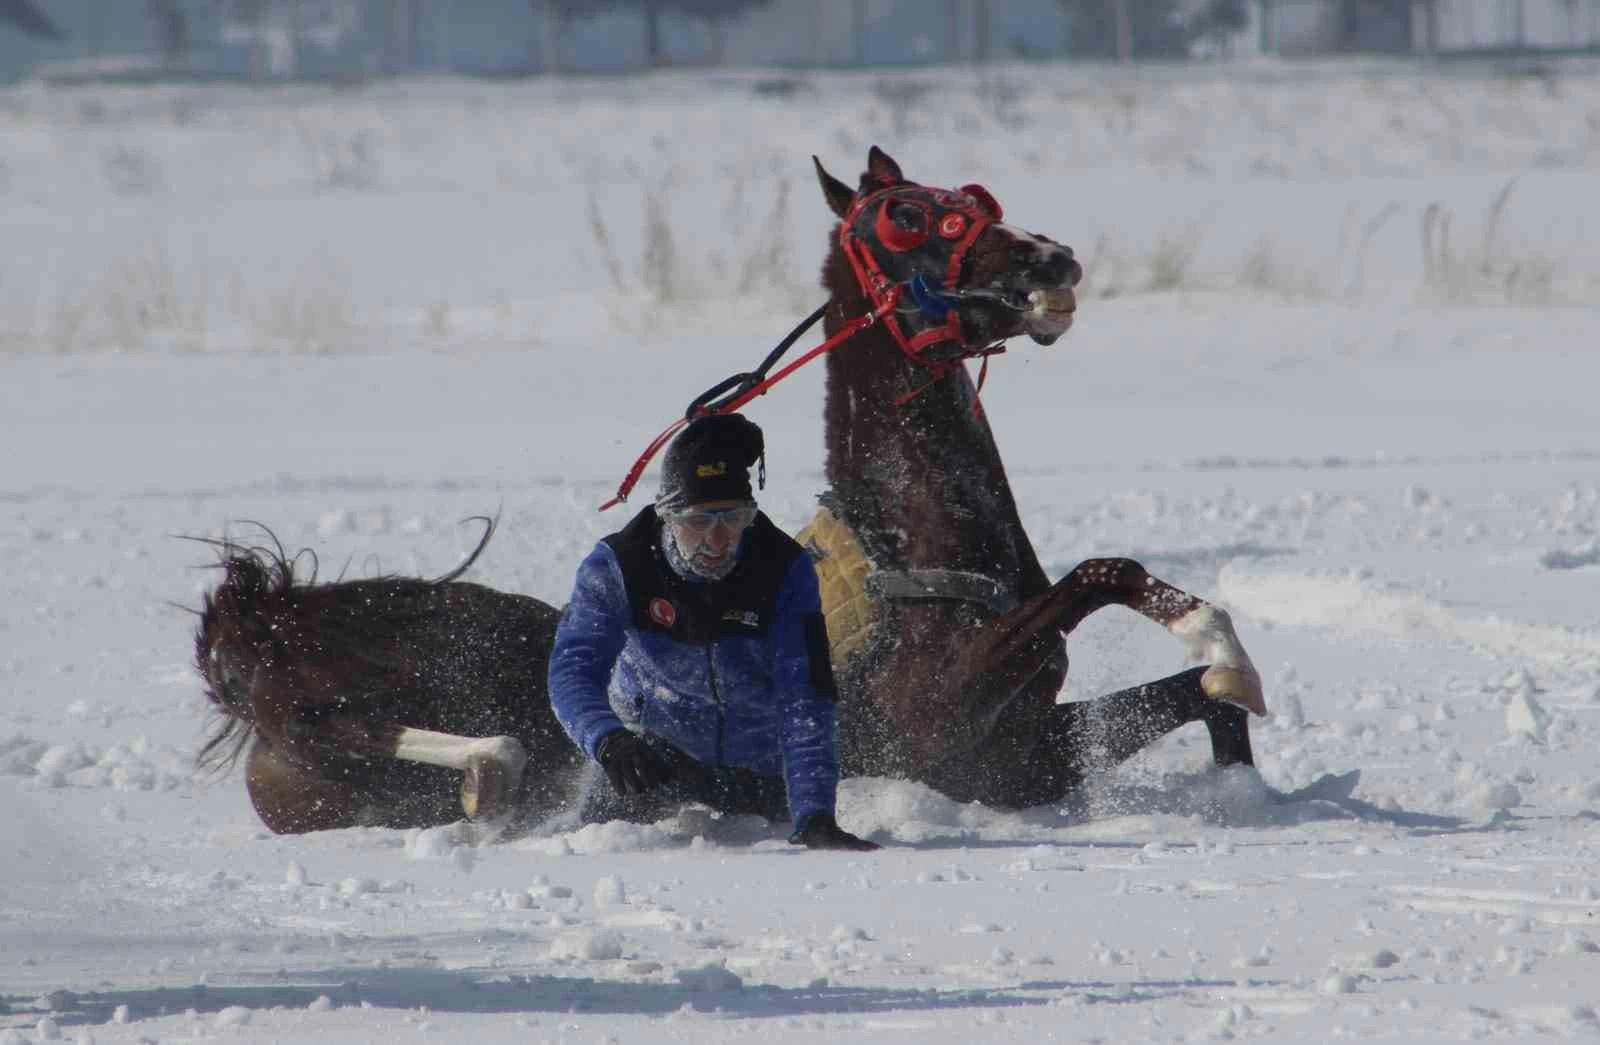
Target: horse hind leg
x: 491, y: 767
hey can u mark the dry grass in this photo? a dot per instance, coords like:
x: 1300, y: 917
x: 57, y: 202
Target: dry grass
x: 1355, y: 286
x: 1267, y: 268
x: 1490, y: 266
x: 1113, y: 270
x: 313, y: 313
x: 341, y: 158
x: 1171, y: 262
x: 146, y: 302
x: 1495, y: 269
x: 143, y: 302
x: 131, y: 171
x: 141, y: 297
x: 749, y: 258
x: 661, y: 267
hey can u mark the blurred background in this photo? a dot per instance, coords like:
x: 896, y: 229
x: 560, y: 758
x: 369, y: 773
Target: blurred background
x: 357, y: 39
x: 466, y: 175
x: 363, y: 268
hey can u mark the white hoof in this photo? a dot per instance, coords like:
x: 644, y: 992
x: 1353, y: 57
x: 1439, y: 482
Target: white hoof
x: 1208, y: 638
x: 1234, y: 686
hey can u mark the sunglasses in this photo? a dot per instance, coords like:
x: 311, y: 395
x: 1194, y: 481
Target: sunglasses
x: 701, y: 520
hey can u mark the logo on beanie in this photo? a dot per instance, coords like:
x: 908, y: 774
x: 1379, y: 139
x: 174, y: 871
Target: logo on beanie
x: 662, y: 612
x: 708, y: 471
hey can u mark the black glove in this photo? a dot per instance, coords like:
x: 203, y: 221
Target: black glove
x: 629, y: 763
x: 822, y: 831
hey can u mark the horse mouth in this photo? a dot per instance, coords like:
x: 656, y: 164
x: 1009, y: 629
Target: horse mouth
x: 1049, y: 314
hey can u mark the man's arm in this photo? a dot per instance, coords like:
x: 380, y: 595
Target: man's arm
x: 807, y: 708
x: 589, y: 639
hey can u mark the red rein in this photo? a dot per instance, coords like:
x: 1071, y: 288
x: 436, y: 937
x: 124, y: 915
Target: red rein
x: 966, y: 214
x: 845, y: 333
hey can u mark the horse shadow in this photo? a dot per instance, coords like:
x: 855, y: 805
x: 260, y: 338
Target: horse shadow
x: 486, y: 991
x: 1229, y: 797
x: 1226, y: 797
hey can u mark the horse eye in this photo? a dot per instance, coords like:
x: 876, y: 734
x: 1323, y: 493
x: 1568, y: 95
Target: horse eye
x: 908, y: 217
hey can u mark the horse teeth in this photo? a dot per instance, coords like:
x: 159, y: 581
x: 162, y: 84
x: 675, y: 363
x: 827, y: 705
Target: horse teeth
x: 1047, y: 301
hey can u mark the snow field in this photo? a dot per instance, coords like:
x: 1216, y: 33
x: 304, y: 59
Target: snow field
x: 361, y: 318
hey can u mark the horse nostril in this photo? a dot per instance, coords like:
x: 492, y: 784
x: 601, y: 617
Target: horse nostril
x: 1058, y: 268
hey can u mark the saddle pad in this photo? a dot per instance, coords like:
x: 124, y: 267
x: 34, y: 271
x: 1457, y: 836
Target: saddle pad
x: 842, y: 571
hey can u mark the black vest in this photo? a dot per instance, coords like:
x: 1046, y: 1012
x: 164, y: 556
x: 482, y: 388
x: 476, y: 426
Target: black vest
x: 696, y: 613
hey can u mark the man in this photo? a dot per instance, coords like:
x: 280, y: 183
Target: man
x: 692, y: 661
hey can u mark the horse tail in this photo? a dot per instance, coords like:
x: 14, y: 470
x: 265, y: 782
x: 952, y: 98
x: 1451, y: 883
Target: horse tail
x: 232, y: 639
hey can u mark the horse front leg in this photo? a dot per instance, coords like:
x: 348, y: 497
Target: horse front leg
x: 491, y: 767
x: 945, y: 702
x: 1011, y: 648
x: 1069, y: 743
x: 1064, y: 742
x: 1206, y: 631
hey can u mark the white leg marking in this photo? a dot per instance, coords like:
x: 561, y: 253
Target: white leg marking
x: 453, y: 752
x: 1208, y: 638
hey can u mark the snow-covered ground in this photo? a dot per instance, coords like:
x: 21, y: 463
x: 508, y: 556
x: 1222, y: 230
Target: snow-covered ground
x: 362, y: 316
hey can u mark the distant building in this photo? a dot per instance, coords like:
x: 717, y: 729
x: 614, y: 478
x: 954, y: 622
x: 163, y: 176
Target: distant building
x: 1308, y: 27
x: 349, y: 39
x: 1463, y: 25
x: 267, y: 40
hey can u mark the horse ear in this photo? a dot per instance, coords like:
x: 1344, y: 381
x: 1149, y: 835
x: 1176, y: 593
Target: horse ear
x: 882, y: 166
x: 837, y: 193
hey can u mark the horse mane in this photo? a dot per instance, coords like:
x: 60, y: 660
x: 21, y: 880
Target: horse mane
x: 264, y: 608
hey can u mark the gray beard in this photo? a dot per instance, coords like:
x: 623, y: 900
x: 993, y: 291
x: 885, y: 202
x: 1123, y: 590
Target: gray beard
x: 686, y: 566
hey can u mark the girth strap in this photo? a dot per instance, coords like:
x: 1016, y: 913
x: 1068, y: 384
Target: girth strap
x: 941, y: 584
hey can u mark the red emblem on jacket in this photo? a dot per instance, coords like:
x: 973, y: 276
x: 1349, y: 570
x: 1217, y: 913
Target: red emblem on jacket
x: 662, y: 612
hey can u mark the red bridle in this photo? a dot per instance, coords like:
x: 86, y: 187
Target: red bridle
x: 885, y: 254
x: 891, y: 263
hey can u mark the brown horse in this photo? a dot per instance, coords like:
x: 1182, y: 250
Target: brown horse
x: 390, y: 701
x: 958, y: 686
x: 398, y: 701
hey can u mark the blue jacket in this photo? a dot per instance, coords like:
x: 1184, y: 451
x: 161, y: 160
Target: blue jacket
x: 733, y: 672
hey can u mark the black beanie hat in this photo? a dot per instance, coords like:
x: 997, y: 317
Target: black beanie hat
x: 710, y: 461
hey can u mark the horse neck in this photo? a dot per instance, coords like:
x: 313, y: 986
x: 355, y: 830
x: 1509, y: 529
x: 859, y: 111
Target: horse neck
x: 922, y: 473
x: 882, y: 405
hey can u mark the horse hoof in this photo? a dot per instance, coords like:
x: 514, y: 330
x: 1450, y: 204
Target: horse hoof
x: 484, y: 788
x: 1234, y: 686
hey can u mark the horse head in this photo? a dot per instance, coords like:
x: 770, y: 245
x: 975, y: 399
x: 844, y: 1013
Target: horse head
x: 956, y: 279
